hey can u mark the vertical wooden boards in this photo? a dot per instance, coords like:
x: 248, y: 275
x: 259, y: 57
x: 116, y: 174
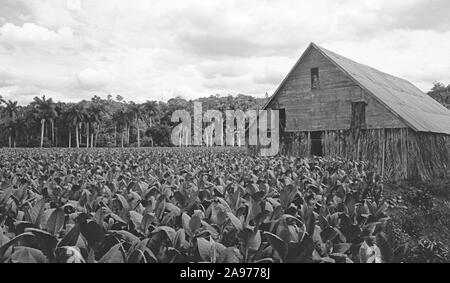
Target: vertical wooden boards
x: 396, y: 154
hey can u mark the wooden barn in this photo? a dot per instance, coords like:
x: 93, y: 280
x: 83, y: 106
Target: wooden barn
x: 332, y: 106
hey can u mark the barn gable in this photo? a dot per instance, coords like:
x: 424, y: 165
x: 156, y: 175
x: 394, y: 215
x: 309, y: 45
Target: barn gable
x: 333, y: 106
x: 329, y: 107
x: 391, y: 102
x: 420, y: 111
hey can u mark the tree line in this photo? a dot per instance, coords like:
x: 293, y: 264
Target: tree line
x: 113, y: 121
x: 98, y: 122
x: 441, y: 93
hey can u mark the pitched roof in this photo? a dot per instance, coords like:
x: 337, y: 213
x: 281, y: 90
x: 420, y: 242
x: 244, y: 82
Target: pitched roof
x: 417, y: 109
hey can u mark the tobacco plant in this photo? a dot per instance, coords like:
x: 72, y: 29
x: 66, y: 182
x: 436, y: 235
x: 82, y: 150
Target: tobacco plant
x: 189, y: 205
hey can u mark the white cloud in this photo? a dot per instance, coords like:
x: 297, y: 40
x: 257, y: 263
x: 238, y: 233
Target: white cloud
x: 51, y: 13
x: 31, y: 34
x: 92, y: 79
x: 6, y: 78
x: 421, y: 56
x: 159, y: 49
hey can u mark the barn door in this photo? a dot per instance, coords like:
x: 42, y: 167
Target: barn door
x: 316, y: 143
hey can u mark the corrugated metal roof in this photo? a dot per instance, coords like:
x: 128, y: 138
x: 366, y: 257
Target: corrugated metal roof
x: 417, y: 109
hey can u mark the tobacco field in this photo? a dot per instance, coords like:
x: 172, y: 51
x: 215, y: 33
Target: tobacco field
x: 190, y: 205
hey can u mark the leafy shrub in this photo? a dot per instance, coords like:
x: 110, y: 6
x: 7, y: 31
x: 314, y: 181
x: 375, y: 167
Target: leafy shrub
x: 419, y: 214
x: 189, y: 205
x: 421, y: 199
x: 429, y: 251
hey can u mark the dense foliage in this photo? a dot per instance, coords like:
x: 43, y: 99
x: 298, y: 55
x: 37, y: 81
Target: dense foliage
x: 422, y: 219
x: 441, y: 93
x: 189, y: 205
x: 114, y: 122
x: 110, y: 122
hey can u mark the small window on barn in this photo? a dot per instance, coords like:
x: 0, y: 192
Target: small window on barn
x: 314, y: 78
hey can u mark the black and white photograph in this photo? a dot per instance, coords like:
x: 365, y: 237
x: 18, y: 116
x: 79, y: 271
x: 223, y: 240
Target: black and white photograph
x: 226, y: 139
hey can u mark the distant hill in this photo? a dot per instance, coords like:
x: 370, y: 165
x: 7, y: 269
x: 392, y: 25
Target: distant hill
x: 240, y: 101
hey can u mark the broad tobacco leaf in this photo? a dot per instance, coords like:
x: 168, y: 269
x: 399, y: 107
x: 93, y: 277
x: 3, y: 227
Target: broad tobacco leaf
x: 278, y: 244
x: 204, y: 248
x: 251, y: 239
x: 115, y: 255
x: 56, y: 221
x: 94, y: 233
x: 71, y: 238
x: 28, y: 255
x: 287, y: 195
x: 370, y: 254
x: 46, y: 241
x: 302, y: 251
x: 169, y: 233
x: 195, y: 223
x: 235, y: 221
x: 36, y: 212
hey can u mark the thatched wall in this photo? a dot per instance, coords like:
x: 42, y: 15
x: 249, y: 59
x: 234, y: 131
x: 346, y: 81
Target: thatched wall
x: 397, y: 154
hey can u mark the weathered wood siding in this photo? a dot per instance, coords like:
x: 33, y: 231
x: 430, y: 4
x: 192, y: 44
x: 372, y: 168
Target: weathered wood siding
x: 395, y: 154
x: 329, y: 107
x: 394, y: 150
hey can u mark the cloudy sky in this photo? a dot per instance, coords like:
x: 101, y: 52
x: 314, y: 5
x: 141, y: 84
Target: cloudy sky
x: 151, y: 49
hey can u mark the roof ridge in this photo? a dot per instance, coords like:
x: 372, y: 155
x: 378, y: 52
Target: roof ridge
x: 364, y: 65
x: 370, y: 79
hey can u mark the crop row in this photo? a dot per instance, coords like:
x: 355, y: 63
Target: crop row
x: 189, y: 205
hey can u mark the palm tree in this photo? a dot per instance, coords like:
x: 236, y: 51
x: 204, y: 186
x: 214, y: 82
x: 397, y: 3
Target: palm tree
x: 129, y: 119
x: 122, y: 123
x: 116, y: 117
x: 135, y: 114
x: 83, y: 118
x: 121, y: 117
x: 29, y: 117
x: 150, y: 110
x: 45, y: 112
x: 96, y: 112
x: 60, y: 109
x: 72, y: 118
x: 11, y: 110
x: 78, y: 122
x: 20, y: 127
x: 87, y: 123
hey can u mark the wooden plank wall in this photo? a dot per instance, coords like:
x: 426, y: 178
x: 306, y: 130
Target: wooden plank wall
x: 395, y: 151
x: 329, y: 107
x: 396, y: 154
x: 429, y: 155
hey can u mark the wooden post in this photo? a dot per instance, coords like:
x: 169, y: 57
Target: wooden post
x: 406, y: 153
x: 308, y: 145
x: 402, y: 156
x: 383, y: 154
x: 378, y: 148
x: 339, y: 142
x: 358, y: 148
